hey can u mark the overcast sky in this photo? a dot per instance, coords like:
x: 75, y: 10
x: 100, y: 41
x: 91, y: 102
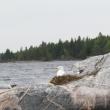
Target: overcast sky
x: 29, y: 22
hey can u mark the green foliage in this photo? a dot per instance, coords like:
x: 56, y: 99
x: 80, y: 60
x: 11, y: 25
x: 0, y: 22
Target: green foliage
x: 67, y: 50
x: 8, y: 56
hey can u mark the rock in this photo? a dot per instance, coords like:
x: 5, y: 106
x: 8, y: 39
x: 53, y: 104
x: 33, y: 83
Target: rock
x: 59, y: 98
x: 9, y: 102
x: 47, y: 98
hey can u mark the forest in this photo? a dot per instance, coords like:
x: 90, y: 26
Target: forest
x: 72, y: 49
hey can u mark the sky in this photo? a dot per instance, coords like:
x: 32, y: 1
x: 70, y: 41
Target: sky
x: 29, y: 22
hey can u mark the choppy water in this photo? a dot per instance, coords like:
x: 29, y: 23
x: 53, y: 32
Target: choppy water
x: 23, y: 73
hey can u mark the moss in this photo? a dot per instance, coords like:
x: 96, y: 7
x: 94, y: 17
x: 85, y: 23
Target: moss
x: 60, y: 80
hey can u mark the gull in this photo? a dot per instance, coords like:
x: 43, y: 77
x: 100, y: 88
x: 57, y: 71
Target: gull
x: 60, y: 71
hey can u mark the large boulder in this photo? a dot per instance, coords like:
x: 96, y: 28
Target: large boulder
x: 47, y: 97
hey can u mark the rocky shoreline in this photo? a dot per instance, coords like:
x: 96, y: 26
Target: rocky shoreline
x: 49, y: 97
x: 92, y: 92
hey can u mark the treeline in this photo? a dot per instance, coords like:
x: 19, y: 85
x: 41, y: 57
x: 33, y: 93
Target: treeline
x: 67, y: 50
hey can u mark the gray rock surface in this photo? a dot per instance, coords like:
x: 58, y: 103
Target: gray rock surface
x: 46, y: 97
x: 59, y: 98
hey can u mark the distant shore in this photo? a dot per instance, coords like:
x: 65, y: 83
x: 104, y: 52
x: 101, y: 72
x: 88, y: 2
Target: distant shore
x: 74, y: 49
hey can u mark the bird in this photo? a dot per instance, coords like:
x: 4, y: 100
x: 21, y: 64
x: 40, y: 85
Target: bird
x: 13, y: 85
x: 78, y: 68
x: 60, y: 71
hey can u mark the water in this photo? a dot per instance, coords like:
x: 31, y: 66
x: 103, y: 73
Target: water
x: 33, y: 72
